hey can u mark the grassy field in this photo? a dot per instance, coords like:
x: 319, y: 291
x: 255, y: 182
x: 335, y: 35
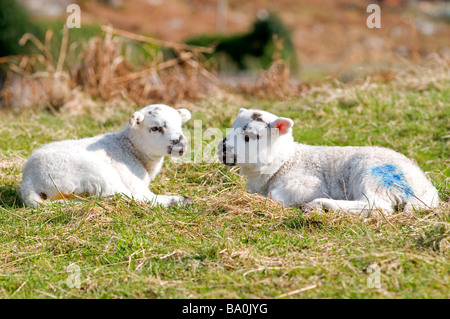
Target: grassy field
x: 231, y: 244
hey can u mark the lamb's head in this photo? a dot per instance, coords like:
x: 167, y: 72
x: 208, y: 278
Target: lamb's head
x: 255, y: 138
x: 156, y: 130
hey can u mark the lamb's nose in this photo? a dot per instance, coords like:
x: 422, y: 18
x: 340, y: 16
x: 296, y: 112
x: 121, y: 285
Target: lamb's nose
x: 180, y: 138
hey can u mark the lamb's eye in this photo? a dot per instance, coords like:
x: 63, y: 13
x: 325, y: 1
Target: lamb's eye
x: 155, y: 129
x: 257, y: 137
x: 247, y: 138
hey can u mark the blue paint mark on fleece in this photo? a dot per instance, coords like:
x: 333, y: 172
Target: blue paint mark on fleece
x: 390, y: 176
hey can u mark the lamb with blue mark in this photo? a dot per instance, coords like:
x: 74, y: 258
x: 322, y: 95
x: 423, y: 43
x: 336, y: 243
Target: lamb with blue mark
x: 349, y: 179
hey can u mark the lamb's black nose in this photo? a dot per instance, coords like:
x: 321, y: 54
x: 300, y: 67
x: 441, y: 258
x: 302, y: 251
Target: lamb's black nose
x: 180, y: 138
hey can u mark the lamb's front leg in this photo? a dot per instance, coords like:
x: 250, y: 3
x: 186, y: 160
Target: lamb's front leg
x: 354, y: 207
x: 166, y: 200
x: 146, y: 195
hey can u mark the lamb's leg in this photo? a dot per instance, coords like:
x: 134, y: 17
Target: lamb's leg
x: 165, y: 200
x: 356, y: 207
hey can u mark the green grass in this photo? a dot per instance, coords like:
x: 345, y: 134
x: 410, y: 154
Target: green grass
x: 231, y: 244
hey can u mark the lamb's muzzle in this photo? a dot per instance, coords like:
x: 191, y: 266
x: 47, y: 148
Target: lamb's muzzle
x: 178, y: 147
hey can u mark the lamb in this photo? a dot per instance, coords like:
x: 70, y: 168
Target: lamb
x: 349, y: 179
x: 121, y: 162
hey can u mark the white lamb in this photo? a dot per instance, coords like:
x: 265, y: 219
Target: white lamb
x: 348, y: 179
x: 121, y: 162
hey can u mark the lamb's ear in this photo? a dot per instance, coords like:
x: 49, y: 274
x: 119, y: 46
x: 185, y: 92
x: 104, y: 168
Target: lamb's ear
x: 185, y: 115
x: 283, y: 125
x: 242, y: 110
x: 136, y: 119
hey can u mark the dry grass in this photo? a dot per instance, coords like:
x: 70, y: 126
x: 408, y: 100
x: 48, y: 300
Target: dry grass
x: 276, y: 83
x: 105, y: 72
x: 101, y: 69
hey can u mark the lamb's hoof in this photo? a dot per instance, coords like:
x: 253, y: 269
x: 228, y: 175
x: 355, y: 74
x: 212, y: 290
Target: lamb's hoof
x: 313, y: 207
x: 309, y: 209
x: 183, y: 200
x: 187, y: 201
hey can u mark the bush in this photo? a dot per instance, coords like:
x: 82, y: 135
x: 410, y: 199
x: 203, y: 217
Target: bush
x: 14, y: 22
x: 258, y: 43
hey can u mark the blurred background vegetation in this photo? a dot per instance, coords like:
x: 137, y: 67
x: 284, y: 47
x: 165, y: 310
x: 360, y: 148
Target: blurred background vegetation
x: 14, y: 23
x: 257, y: 44
x: 278, y: 47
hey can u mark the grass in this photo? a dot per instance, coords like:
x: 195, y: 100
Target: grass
x: 231, y: 244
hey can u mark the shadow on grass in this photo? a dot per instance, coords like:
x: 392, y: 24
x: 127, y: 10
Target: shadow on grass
x: 9, y: 197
